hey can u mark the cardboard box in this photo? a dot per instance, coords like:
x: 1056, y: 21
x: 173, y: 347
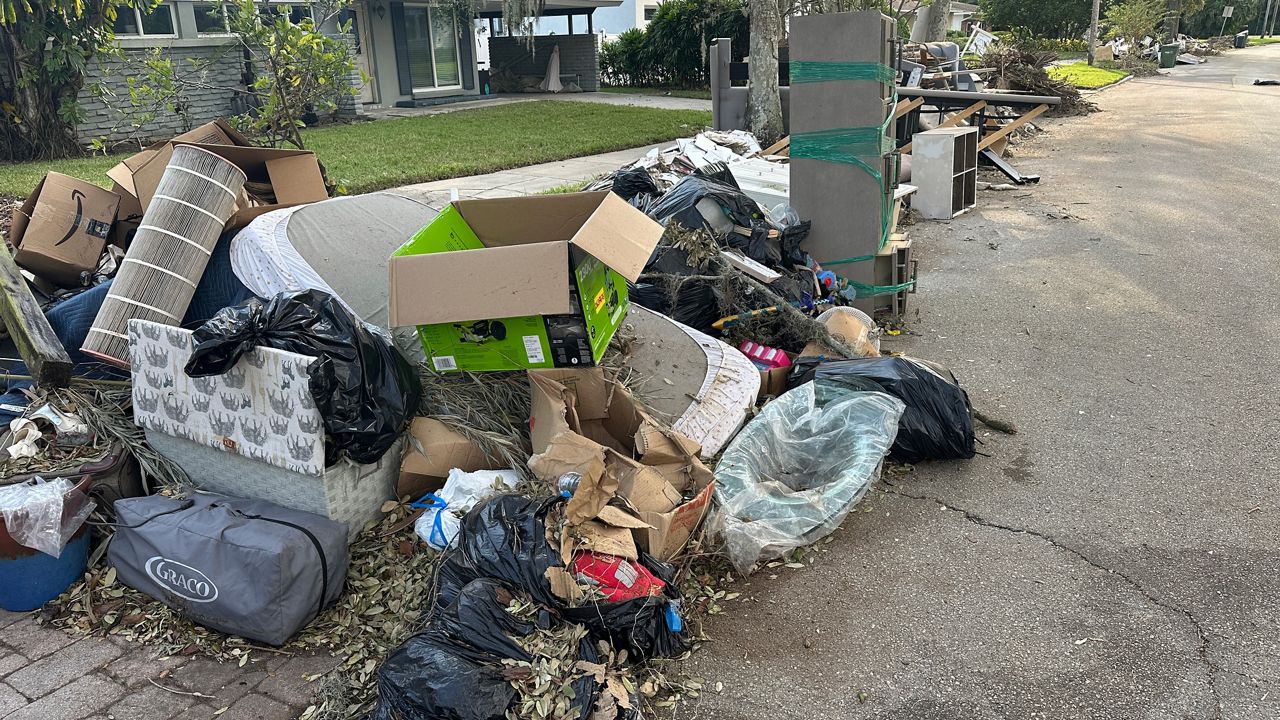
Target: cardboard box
x: 774, y: 382
x: 521, y: 283
x: 584, y: 423
x: 128, y: 218
x: 63, y: 226
x: 432, y: 451
x: 293, y: 175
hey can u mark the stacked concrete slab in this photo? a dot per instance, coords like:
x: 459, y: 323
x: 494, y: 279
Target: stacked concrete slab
x: 844, y: 201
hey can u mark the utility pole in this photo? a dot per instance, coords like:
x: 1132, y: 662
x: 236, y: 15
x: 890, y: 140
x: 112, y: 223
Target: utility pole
x: 1093, y: 29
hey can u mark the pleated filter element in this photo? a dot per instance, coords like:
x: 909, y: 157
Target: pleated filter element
x: 163, y: 266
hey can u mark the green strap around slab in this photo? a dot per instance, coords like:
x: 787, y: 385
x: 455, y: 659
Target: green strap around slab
x: 852, y: 146
x: 807, y: 71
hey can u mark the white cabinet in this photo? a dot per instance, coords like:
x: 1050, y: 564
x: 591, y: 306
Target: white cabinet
x: 944, y: 168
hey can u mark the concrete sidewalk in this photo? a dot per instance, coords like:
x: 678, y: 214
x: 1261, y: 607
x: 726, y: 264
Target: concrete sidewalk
x: 526, y: 180
x: 662, y: 102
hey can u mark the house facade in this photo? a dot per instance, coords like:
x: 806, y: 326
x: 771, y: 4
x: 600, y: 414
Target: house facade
x: 406, y: 54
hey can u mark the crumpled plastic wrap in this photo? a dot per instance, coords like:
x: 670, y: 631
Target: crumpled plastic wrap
x: 793, y: 473
x: 34, y: 515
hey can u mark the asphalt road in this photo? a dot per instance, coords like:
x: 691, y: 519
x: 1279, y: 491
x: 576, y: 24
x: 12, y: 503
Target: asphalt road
x: 1119, y: 558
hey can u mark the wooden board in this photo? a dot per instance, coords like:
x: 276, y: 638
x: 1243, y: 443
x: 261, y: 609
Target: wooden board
x: 1003, y: 132
x: 47, y: 361
x: 953, y: 120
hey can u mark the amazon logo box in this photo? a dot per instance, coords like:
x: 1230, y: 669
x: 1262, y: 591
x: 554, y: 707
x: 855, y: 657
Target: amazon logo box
x: 62, y: 228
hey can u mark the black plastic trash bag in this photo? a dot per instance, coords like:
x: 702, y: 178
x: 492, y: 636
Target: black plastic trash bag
x: 938, y: 422
x: 453, y: 670
x: 364, y: 388
x: 697, y: 303
x: 680, y: 204
x: 506, y: 539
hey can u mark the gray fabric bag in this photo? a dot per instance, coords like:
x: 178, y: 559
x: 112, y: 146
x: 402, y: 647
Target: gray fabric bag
x: 245, y: 567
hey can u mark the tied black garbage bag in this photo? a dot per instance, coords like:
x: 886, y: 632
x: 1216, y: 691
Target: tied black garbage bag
x: 938, y: 422
x: 505, y: 539
x: 364, y: 388
x: 453, y: 670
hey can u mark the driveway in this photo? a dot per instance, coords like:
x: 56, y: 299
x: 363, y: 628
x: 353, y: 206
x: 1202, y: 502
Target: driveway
x: 1118, y: 558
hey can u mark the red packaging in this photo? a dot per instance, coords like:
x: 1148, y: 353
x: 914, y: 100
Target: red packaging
x: 618, y: 578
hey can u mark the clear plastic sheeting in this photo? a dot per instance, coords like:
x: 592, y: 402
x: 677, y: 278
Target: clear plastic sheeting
x: 793, y: 473
x: 43, y: 515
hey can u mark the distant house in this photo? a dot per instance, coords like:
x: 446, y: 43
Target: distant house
x: 407, y: 53
x: 963, y: 15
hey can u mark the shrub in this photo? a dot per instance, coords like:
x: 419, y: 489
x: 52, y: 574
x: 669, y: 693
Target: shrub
x: 672, y: 51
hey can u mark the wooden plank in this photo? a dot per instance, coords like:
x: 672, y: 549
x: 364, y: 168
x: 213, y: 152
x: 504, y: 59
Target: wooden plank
x: 1003, y: 132
x: 905, y: 106
x: 46, y: 359
x: 774, y: 149
x: 953, y: 120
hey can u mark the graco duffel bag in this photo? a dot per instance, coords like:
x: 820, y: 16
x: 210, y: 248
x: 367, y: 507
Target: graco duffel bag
x: 245, y: 567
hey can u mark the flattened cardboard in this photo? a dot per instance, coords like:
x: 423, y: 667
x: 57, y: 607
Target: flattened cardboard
x: 62, y: 228
x: 445, y: 449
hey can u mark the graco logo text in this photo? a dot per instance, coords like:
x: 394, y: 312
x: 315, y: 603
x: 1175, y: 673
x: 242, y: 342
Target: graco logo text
x: 183, y: 580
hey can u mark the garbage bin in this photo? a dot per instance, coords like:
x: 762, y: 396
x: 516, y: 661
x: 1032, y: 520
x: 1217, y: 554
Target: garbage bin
x: 1242, y: 39
x: 1168, y: 55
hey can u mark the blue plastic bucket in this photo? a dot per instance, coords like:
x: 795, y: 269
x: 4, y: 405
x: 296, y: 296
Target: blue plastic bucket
x: 29, y: 578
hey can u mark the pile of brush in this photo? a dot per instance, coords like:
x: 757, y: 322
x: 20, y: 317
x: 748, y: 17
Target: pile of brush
x: 1022, y: 68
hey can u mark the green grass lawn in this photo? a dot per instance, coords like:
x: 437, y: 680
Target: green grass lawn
x: 1084, y: 76
x: 1255, y: 40
x: 673, y: 92
x: 376, y: 155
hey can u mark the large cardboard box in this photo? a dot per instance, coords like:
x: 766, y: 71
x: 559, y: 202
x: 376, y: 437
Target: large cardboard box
x: 521, y: 283
x: 584, y: 423
x: 289, y: 177
x: 63, y: 226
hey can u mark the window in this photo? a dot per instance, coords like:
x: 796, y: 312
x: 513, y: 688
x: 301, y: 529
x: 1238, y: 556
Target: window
x: 132, y: 21
x: 649, y: 13
x: 298, y: 10
x: 211, y: 19
x: 431, y: 39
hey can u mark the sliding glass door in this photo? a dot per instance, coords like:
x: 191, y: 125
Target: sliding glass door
x: 432, y: 39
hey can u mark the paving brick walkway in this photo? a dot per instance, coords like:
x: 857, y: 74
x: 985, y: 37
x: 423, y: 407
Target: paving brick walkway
x: 47, y: 674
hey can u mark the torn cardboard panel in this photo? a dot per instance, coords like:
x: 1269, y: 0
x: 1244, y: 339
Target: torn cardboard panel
x: 432, y: 451
x: 605, y: 539
x: 563, y: 584
x: 657, y: 492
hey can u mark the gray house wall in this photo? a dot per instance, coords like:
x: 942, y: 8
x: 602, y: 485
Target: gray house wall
x: 110, y: 117
x: 579, y: 56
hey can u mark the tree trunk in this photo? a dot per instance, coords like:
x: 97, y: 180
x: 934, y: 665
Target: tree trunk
x: 764, y: 105
x: 1093, y: 30
x: 939, y: 20
x: 1172, y: 16
x: 33, y: 128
